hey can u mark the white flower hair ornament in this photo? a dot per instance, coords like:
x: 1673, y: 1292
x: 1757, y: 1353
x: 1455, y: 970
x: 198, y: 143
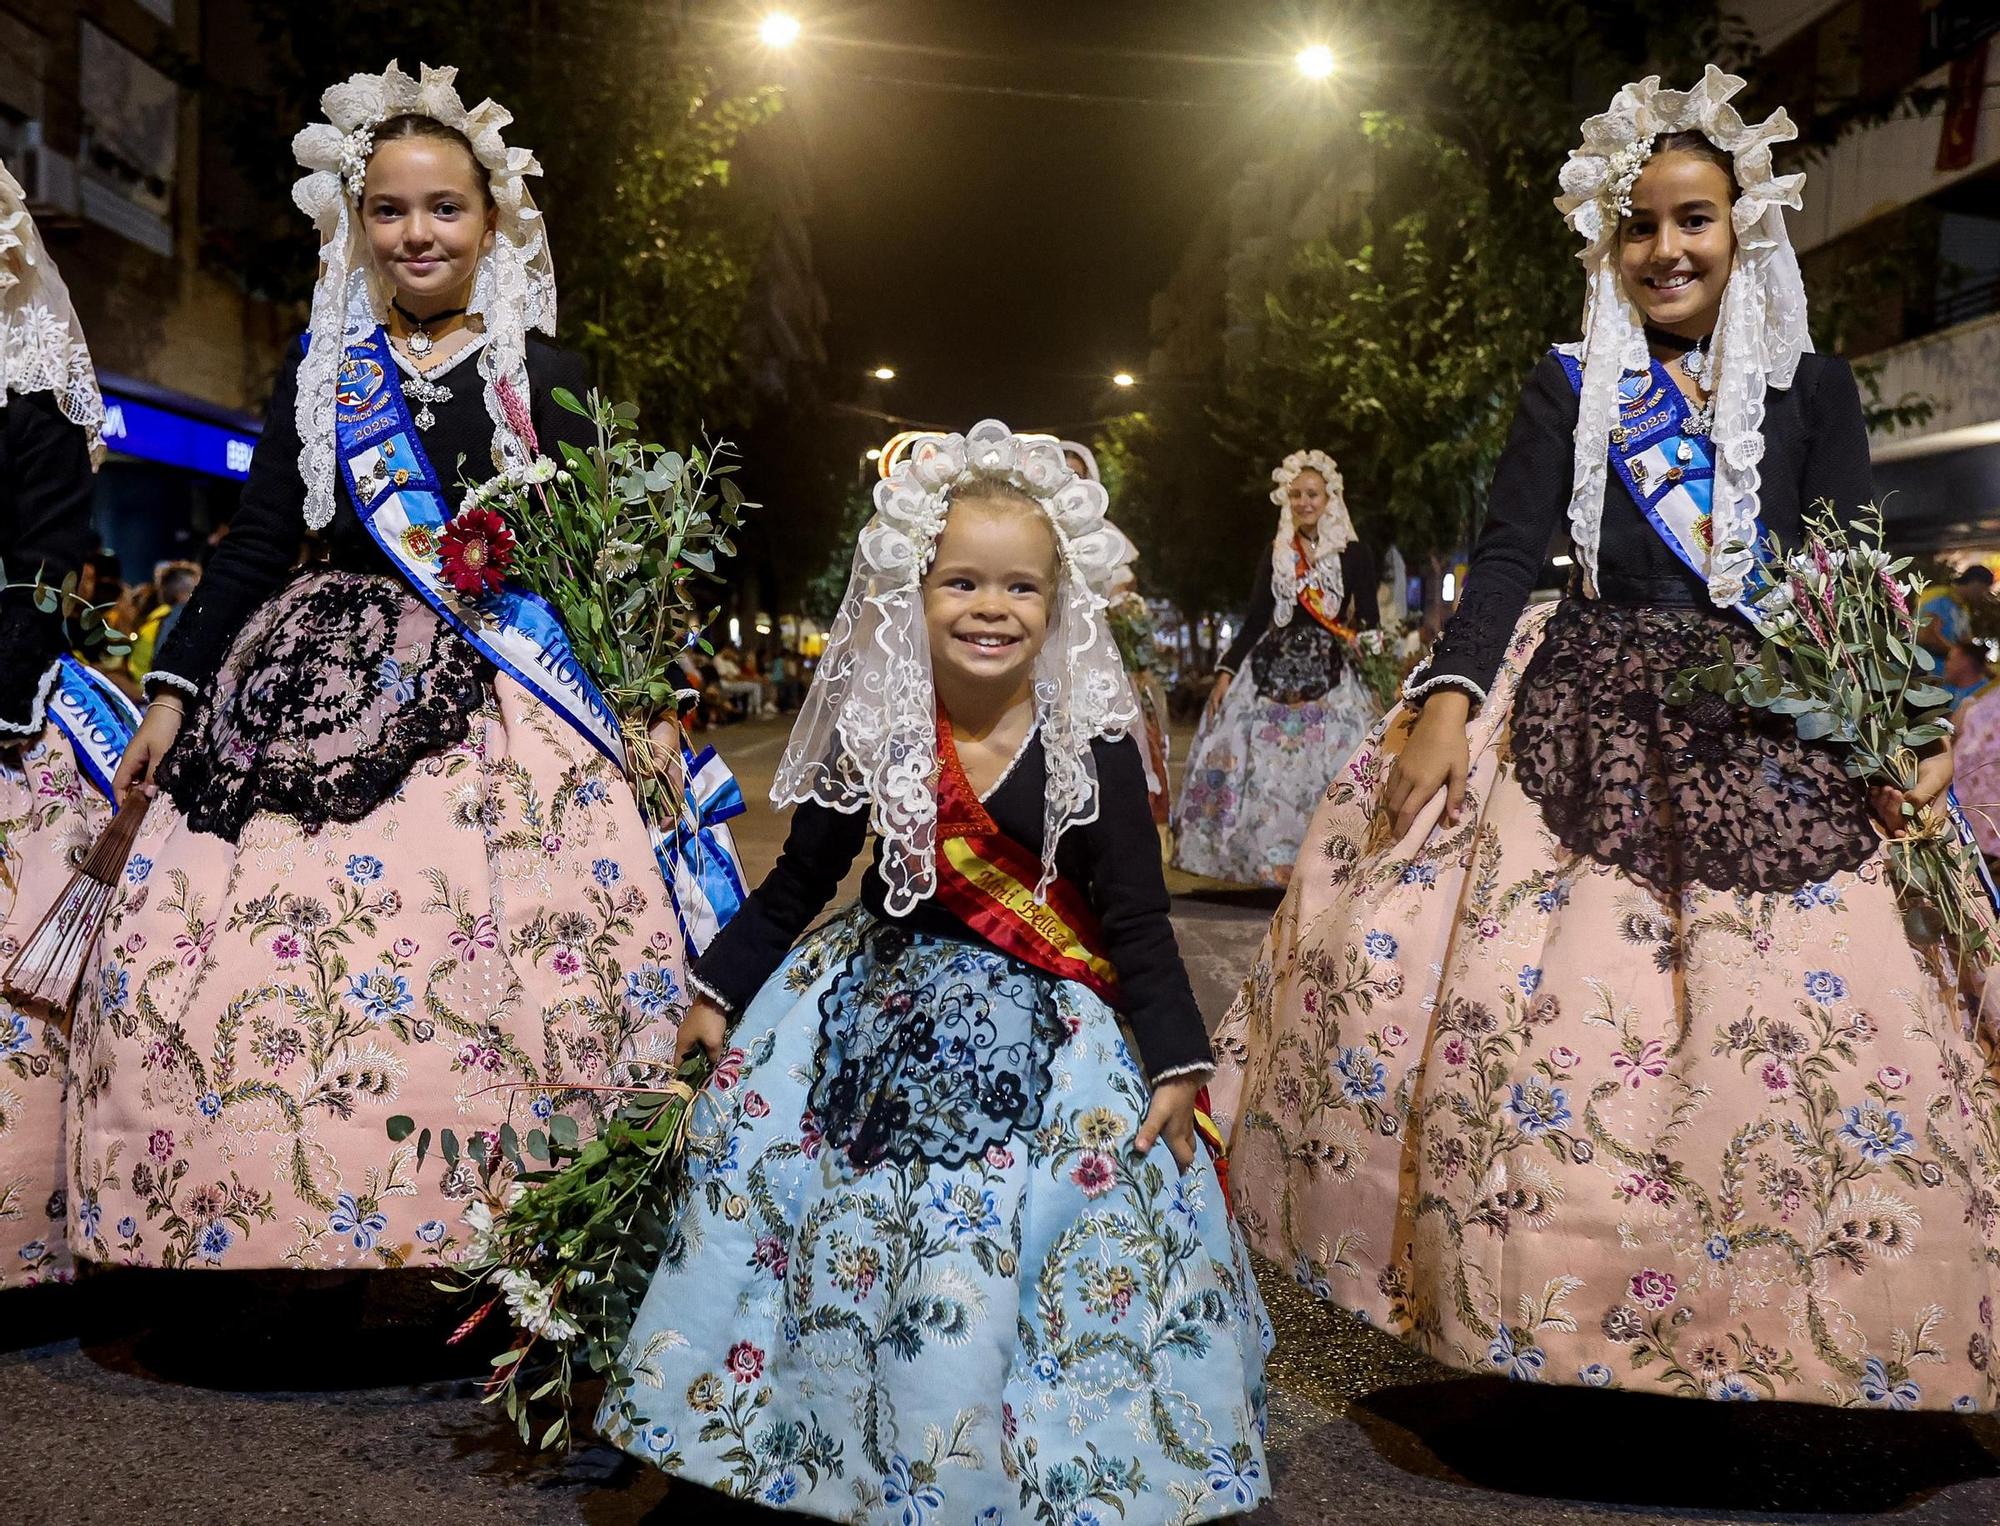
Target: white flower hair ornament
x: 513, y: 292
x: 1759, y: 334
x: 41, y: 342
x: 866, y: 737
x: 1334, y: 534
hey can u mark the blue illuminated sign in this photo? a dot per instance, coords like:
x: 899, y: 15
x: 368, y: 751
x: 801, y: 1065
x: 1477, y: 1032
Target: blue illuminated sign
x: 152, y: 433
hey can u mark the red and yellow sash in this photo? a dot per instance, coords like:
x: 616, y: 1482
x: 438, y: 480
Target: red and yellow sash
x: 1312, y: 599
x: 988, y: 880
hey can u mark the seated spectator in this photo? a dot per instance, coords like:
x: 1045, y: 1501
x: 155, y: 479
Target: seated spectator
x: 738, y: 689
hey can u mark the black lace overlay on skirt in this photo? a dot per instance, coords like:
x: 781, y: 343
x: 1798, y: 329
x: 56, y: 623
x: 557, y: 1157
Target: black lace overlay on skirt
x: 1707, y: 793
x: 931, y: 1049
x: 337, y: 686
x: 1298, y: 662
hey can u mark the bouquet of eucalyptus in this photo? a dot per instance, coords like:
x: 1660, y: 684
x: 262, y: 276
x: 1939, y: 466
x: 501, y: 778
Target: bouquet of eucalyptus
x: 620, y: 539
x: 1839, y: 655
x: 569, y: 1245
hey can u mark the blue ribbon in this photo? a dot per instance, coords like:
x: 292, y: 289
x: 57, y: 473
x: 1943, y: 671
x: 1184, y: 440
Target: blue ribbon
x: 697, y: 854
x: 1676, y: 496
x: 97, y: 719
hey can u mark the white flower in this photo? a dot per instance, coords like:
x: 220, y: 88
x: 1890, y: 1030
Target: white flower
x: 619, y: 558
x: 541, y: 470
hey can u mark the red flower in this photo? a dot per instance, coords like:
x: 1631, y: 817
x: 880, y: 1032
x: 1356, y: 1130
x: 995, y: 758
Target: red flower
x: 745, y: 1362
x: 1094, y: 1173
x: 475, y: 550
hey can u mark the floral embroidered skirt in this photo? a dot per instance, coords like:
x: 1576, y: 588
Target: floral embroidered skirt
x: 49, y: 815
x: 922, y: 1275
x: 263, y: 1006
x: 1255, y: 773
x: 1513, y: 1102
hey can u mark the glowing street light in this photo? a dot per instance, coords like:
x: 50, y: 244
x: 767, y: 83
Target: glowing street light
x: 778, y: 30
x: 884, y: 373
x: 872, y: 455
x: 1124, y: 379
x: 1315, y: 62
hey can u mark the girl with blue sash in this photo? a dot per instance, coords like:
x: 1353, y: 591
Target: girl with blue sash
x: 393, y: 864
x: 62, y: 726
x: 1589, y: 1046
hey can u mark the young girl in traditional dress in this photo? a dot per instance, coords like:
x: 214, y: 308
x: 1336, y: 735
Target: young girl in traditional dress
x: 951, y: 1251
x: 391, y: 863
x: 62, y: 726
x: 1268, y: 744
x: 1589, y: 1046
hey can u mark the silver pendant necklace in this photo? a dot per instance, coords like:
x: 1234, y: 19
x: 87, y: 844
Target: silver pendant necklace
x: 1695, y: 363
x: 419, y: 342
x: 426, y: 392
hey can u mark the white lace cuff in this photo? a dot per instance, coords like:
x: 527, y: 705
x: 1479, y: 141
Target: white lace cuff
x: 1202, y: 1068
x: 38, y: 717
x: 1417, y: 686
x: 171, y: 680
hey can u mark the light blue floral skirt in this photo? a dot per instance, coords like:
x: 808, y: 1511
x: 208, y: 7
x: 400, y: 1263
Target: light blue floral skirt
x: 921, y: 1277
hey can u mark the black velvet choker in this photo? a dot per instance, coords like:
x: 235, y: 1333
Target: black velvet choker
x: 1677, y: 344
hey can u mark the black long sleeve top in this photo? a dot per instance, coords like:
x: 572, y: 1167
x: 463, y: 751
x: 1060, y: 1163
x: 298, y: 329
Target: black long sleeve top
x: 265, y: 536
x: 1815, y: 447
x: 1360, y: 605
x: 1114, y: 860
x: 45, y: 534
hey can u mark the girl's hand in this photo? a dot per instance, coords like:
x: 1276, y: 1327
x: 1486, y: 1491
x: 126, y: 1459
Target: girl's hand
x: 1436, y: 757
x: 1171, y: 1117
x: 149, y: 744
x: 1933, y: 779
x: 704, y: 1028
x: 1214, y: 705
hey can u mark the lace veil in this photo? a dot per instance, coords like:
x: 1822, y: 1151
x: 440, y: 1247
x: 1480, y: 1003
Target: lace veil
x: 41, y: 341
x: 1334, y: 535
x: 866, y: 737
x: 1759, y: 334
x: 514, y: 291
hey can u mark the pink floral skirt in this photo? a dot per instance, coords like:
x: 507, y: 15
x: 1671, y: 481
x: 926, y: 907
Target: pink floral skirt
x: 49, y: 815
x: 1542, y: 1120
x: 494, y: 931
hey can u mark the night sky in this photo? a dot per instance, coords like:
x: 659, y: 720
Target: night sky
x: 1001, y: 250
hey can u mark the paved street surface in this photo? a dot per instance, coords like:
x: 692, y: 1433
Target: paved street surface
x: 168, y: 1410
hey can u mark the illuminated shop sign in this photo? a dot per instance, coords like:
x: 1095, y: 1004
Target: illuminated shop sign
x: 152, y: 433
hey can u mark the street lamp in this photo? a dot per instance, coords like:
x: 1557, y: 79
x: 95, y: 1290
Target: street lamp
x: 1124, y: 379
x: 1315, y: 62
x: 778, y: 30
x: 873, y: 454
x: 884, y: 373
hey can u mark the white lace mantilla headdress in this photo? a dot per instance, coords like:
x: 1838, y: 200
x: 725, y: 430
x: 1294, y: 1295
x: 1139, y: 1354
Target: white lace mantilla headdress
x: 41, y: 342
x: 1333, y: 535
x: 866, y: 737
x: 514, y: 291
x: 1759, y: 334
